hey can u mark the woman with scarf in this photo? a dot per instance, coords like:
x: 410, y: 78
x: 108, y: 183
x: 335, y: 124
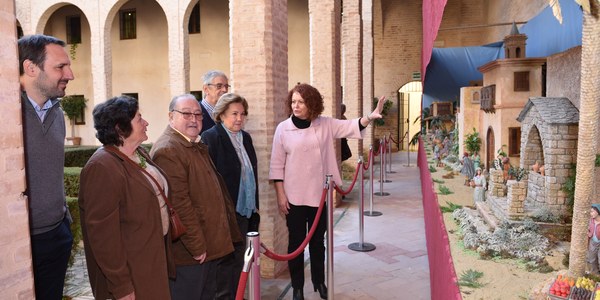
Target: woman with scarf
x: 232, y: 152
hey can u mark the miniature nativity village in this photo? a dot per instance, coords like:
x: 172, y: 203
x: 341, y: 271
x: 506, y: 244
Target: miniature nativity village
x: 505, y: 134
x: 511, y: 142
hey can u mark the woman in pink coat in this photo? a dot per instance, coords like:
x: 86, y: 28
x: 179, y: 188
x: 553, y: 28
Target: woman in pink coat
x: 302, y: 155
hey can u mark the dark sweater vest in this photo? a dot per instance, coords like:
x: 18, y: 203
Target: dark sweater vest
x: 44, y: 166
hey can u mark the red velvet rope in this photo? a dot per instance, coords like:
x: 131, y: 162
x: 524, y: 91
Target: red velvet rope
x: 337, y: 188
x: 300, y: 249
x: 366, y: 165
x: 241, y: 286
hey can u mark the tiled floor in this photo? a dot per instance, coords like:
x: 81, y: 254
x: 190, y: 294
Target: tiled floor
x: 397, y: 269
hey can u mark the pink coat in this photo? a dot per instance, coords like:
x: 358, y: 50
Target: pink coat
x: 591, y: 227
x: 302, y: 157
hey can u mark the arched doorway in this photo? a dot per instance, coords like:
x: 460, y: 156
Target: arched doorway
x: 409, y: 107
x: 489, y: 146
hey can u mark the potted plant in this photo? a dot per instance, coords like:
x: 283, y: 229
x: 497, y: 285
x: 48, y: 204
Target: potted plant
x: 73, y: 107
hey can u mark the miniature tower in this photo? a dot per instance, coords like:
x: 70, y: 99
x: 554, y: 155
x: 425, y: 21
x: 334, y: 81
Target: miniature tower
x: 514, y: 44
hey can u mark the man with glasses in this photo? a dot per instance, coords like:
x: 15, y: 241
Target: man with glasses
x: 215, y: 85
x: 200, y: 197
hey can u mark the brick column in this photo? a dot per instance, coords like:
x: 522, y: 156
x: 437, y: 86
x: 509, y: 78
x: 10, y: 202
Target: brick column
x: 16, y: 277
x: 324, y: 19
x: 352, y: 71
x: 368, y: 65
x: 179, y: 57
x: 259, y: 72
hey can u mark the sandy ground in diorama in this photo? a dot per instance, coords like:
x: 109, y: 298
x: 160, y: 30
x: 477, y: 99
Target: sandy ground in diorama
x: 503, y: 278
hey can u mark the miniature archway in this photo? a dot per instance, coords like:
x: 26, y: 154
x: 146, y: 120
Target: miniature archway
x: 489, y: 157
x: 534, y: 150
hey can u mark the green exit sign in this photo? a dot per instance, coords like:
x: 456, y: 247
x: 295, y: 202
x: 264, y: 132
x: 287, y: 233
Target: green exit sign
x: 416, y: 76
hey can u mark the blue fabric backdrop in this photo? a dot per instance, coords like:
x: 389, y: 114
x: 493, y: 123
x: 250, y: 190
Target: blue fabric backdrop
x: 453, y: 68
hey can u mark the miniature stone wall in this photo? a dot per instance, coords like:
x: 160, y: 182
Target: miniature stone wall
x: 536, y: 188
x: 496, y: 188
x: 517, y: 191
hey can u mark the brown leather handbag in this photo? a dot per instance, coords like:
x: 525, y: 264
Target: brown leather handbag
x: 177, y: 227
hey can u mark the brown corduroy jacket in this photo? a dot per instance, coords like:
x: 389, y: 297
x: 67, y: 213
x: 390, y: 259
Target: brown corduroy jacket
x: 199, y: 197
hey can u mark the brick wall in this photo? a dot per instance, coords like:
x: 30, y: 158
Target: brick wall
x: 397, y: 33
x: 260, y: 72
x: 16, y: 278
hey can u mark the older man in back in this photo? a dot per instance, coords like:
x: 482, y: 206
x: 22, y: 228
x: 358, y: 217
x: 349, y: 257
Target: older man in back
x: 45, y: 71
x: 215, y: 84
x: 199, y: 195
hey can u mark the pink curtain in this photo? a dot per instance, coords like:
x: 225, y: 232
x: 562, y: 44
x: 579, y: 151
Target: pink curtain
x: 442, y: 276
x: 433, y: 10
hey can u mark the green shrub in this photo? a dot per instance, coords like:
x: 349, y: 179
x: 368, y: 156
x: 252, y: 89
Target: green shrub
x: 72, y: 181
x: 75, y: 227
x: 450, y: 208
x: 444, y: 190
x: 470, y: 278
x: 432, y: 169
x: 78, y: 156
x: 438, y: 180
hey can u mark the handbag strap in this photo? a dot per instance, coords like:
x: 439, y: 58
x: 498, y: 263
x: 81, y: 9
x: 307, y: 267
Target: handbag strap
x: 122, y: 155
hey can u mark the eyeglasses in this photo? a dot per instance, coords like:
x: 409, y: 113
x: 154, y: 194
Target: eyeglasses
x: 220, y: 85
x: 188, y: 115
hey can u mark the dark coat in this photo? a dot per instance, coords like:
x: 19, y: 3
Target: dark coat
x: 207, y: 121
x: 122, y: 230
x: 198, y: 194
x: 226, y: 160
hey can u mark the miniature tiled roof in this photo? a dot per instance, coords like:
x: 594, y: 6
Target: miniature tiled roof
x: 552, y: 110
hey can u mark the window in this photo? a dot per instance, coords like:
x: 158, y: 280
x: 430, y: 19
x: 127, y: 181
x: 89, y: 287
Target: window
x: 197, y: 94
x: 132, y: 95
x: 73, y: 29
x: 521, y: 81
x: 194, y: 25
x: 127, y: 24
x: 514, y: 141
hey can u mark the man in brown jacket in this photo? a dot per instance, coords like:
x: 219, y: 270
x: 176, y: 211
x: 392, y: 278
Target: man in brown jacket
x: 199, y: 196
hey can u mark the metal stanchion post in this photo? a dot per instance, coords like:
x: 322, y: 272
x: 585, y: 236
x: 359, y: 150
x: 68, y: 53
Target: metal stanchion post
x: 253, y: 240
x: 381, y: 172
x: 390, y: 156
x: 330, y: 206
x: 371, y: 213
x: 361, y: 245
x: 384, y: 162
x: 407, y: 151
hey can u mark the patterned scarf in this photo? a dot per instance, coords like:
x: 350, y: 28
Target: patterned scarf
x: 246, y: 200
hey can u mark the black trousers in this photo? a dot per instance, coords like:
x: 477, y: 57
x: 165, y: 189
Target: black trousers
x: 50, y: 254
x: 194, y: 282
x: 299, y: 220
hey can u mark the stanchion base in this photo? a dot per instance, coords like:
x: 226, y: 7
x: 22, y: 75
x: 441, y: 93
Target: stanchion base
x: 386, y: 181
x: 381, y: 194
x: 391, y: 172
x: 364, y: 247
x: 407, y: 165
x: 372, y: 213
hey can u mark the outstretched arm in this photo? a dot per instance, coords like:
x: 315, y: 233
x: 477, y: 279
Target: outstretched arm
x: 375, y: 114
